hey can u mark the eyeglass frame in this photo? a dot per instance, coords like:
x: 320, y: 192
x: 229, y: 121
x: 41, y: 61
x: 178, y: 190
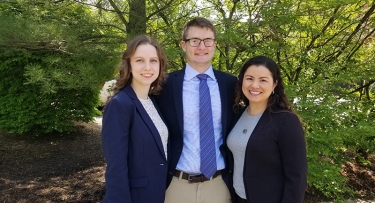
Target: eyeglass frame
x: 188, y: 40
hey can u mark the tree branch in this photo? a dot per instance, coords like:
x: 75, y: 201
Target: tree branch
x: 160, y: 10
x: 363, y: 86
x: 94, y: 5
x: 356, y: 30
x: 119, y: 13
x: 329, y: 23
x: 36, y: 46
x: 355, y: 49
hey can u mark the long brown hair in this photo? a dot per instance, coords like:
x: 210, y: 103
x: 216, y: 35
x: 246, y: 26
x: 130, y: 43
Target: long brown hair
x: 125, y: 77
x: 277, y: 98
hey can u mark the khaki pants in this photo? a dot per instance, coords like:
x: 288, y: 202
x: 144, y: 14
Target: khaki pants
x: 212, y: 191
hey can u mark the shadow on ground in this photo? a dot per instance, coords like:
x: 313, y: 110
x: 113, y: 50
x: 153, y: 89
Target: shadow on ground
x: 62, y: 168
x: 70, y: 168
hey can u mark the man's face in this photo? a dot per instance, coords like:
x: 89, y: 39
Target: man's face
x: 199, y: 57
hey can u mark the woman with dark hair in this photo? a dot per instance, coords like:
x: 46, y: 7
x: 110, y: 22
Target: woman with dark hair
x: 267, y: 142
x: 134, y: 136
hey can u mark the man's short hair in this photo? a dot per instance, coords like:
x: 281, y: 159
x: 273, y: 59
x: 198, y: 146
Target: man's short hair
x: 198, y: 22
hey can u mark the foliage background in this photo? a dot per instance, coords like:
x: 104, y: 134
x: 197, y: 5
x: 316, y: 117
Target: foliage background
x: 54, y: 55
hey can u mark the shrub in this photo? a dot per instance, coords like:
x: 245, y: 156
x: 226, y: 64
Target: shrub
x: 26, y: 108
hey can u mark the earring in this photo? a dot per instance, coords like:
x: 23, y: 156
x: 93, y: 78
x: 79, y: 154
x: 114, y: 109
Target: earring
x: 273, y: 91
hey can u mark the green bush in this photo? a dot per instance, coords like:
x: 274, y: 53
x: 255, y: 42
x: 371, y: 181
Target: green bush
x: 324, y: 144
x: 26, y: 108
x: 52, y: 64
x: 332, y: 130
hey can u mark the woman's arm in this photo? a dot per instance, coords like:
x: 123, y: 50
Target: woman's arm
x: 293, y: 153
x: 117, y: 120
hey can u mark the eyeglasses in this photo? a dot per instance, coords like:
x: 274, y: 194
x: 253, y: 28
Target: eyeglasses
x: 194, y: 42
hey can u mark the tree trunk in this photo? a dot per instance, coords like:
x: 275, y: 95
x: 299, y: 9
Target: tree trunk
x: 137, y: 17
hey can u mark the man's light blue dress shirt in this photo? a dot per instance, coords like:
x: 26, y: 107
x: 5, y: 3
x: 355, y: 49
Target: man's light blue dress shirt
x: 190, y: 158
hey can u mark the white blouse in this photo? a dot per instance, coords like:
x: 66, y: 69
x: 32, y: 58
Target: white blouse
x: 158, y: 122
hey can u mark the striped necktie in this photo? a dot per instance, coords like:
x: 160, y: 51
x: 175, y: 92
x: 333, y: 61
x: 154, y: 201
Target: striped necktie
x: 206, y: 129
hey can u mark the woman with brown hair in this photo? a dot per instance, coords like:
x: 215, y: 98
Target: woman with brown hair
x: 134, y: 136
x: 267, y: 142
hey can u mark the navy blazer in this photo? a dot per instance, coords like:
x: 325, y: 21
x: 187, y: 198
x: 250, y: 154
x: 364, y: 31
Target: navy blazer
x: 136, y: 163
x: 170, y: 103
x: 275, y: 168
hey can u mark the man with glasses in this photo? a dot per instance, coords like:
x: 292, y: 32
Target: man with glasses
x: 196, y: 103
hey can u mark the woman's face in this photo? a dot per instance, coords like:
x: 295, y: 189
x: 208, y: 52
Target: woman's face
x: 257, y: 84
x: 145, y: 66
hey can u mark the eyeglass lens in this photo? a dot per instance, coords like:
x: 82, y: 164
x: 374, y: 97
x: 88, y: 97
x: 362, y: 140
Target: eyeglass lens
x: 196, y: 42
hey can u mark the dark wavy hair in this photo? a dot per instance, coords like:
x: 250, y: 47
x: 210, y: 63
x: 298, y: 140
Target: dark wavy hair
x: 198, y: 22
x: 125, y: 77
x: 278, y: 98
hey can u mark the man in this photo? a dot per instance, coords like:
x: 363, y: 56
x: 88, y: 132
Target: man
x: 182, y: 102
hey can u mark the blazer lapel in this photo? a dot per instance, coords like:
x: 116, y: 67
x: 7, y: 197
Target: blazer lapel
x: 177, y: 81
x: 224, y: 100
x: 146, y: 118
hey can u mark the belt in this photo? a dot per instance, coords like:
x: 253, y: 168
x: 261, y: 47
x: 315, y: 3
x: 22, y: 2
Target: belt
x: 195, y: 178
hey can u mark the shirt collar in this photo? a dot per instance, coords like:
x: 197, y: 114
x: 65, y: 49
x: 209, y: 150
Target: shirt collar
x: 190, y: 72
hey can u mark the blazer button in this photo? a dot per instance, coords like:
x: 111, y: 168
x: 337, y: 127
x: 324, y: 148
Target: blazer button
x: 170, y: 172
x: 161, y: 164
x: 179, y: 151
